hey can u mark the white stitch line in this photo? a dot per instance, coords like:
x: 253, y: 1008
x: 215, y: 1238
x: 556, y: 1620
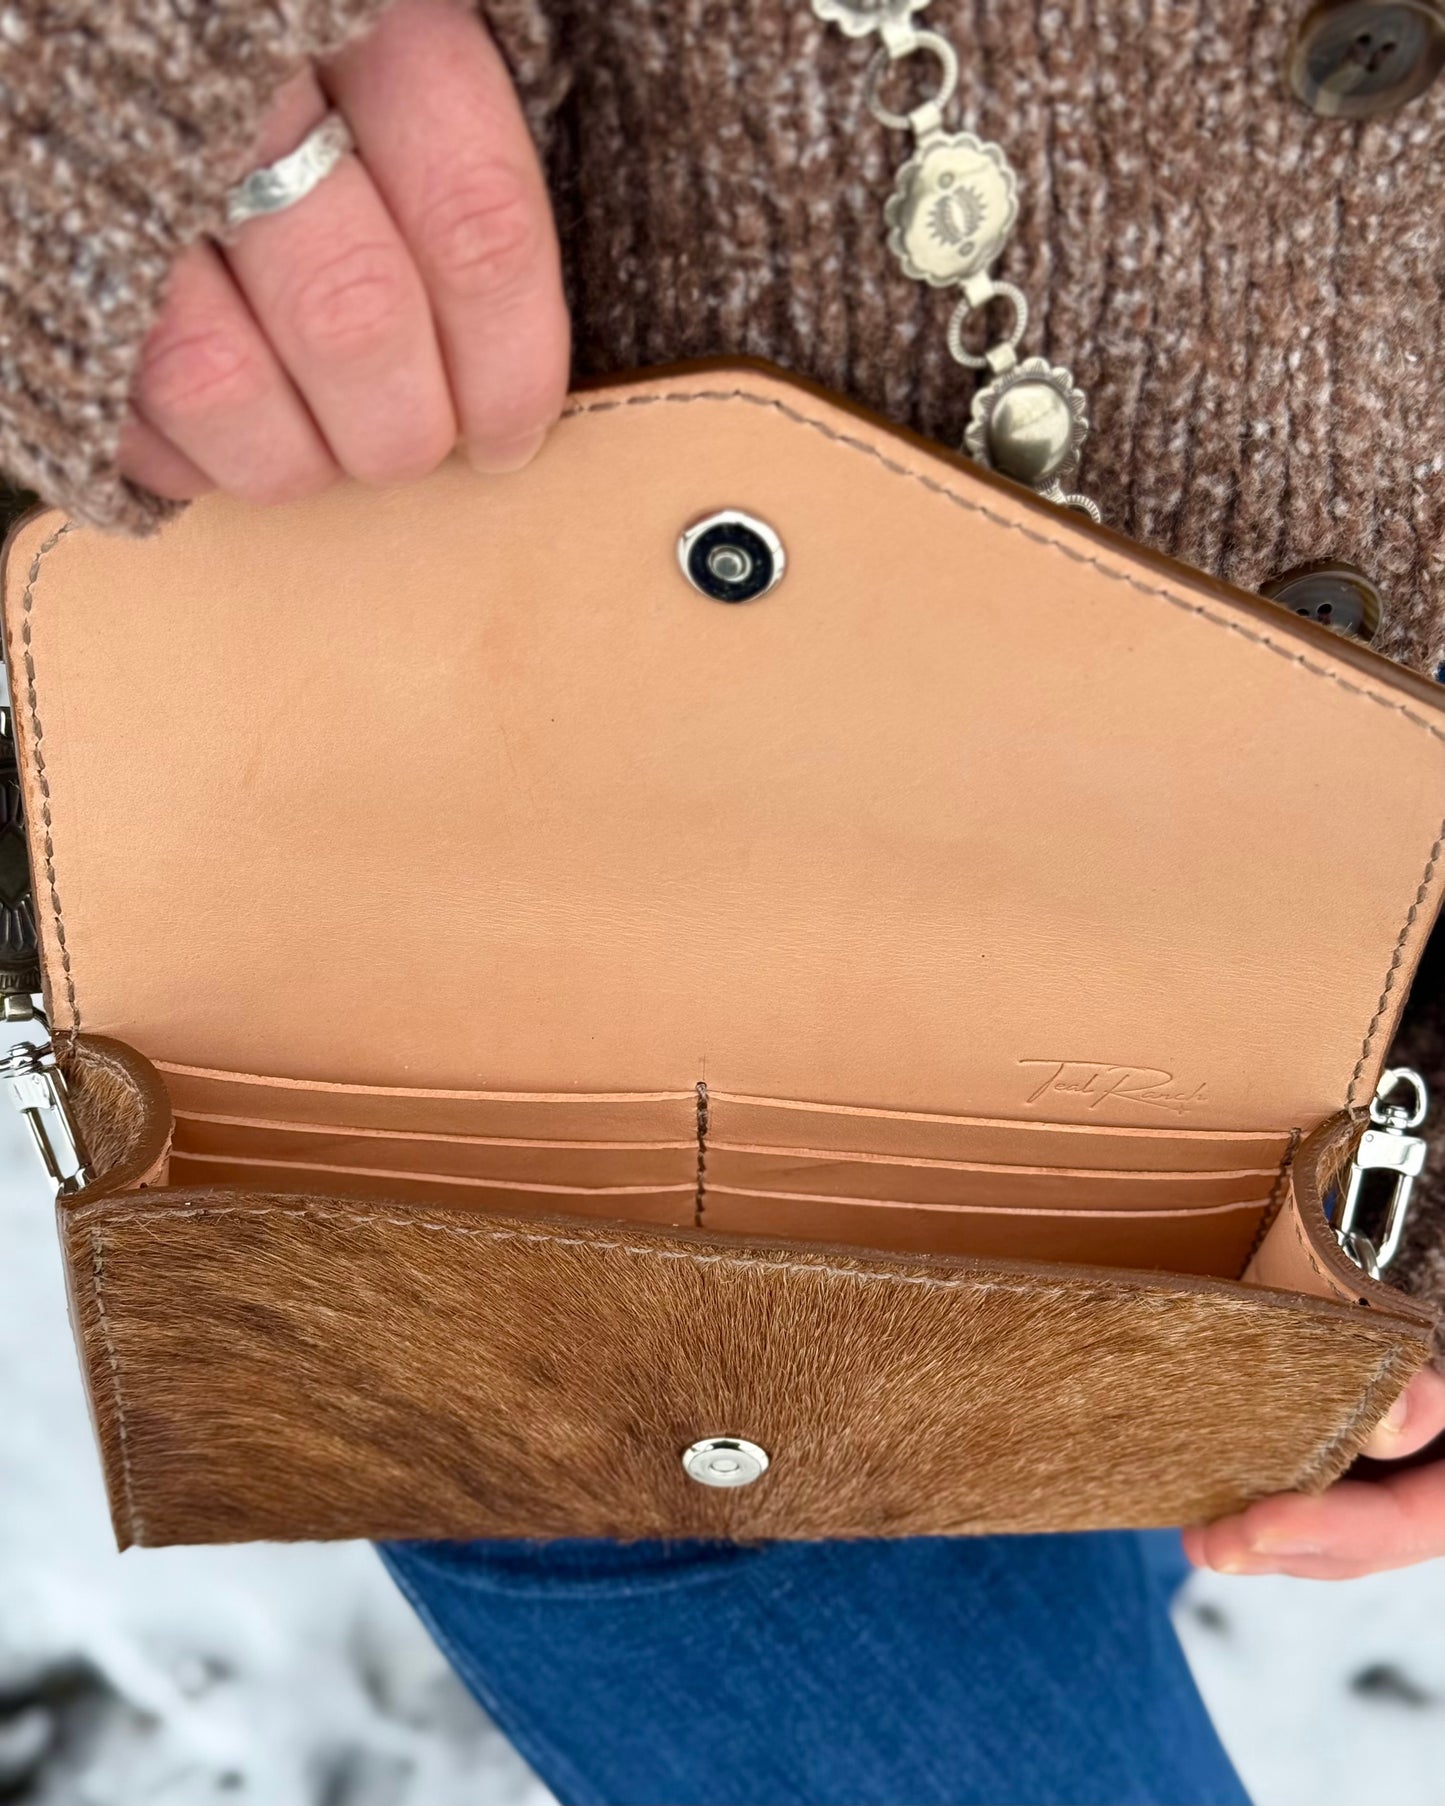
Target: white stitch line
x: 97, y: 1280
x: 930, y: 1282
x: 935, y: 487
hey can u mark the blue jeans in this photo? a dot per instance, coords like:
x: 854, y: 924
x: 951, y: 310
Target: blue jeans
x: 1001, y: 1671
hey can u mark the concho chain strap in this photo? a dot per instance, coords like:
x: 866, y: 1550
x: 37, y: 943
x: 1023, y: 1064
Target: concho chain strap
x: 949, y: 218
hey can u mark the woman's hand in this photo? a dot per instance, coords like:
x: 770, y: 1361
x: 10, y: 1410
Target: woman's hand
x: 412, y: 299
x: 1357, y: 1527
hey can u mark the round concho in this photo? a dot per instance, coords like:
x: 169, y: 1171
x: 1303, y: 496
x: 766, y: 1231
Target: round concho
x: 1029, y: 423
x: 858, y: 17
x: 953, y: 208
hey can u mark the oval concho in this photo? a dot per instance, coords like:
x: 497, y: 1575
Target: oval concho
x: 953, y: 208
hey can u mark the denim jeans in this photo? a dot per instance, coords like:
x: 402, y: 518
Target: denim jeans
x: 1001, y: 1671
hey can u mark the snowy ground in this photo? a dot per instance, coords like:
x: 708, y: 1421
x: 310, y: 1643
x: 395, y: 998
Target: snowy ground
x: 271, y: 1676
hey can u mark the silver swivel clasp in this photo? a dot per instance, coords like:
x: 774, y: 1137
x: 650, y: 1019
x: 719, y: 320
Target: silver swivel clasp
x: 31, y: 1076
x: 1387, y: 1147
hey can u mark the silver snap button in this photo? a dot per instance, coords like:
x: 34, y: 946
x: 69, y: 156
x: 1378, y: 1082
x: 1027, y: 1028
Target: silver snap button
x: 724, y: 1461
x: 731, y: 556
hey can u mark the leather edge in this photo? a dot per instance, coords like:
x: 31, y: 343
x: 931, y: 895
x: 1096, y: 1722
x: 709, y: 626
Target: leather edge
x: 55, y: 977
x: 1300, y: 1234
x: 1016, y: 508
x: 137, y: 1113
x: 1420, y: 689
x: 87, y: 1228
x: 100, y: 1370
x: 706, y: 1247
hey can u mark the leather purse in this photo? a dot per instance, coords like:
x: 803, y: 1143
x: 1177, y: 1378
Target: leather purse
x: 565, y: 1052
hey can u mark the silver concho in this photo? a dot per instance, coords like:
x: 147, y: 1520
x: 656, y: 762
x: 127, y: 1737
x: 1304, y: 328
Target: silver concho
x: 858, y: 17
x: 1029, y: 423
x: 953, y: 208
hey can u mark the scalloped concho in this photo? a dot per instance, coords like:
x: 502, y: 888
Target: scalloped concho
x: 953, y: 209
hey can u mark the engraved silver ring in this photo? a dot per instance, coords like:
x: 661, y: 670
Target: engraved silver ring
x: 276, y: 186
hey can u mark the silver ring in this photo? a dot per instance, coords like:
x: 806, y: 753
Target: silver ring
x: 998, y: 291
x: 276, y: 186
x: 932, y: 109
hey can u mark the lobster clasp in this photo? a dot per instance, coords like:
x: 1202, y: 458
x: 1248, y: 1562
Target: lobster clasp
x: 1387, y: 1147
x: 31, y: 1075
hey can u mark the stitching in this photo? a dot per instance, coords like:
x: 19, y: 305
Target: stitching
x: 134, y: 1522
x: 1320, y: 1463
x: 1309, y: 1255
x: 359, y: 1219
x: 1395, y: 960
x: 1324, y: 1458
x: 1033, y: 534
x: 1275, y: 1201
x: 27, y: 605
x: 703, y: 1113
x: 862, y: 1276
x: 934, y: 487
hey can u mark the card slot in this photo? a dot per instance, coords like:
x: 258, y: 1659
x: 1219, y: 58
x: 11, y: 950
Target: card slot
x: 1213, y: 1240
x: 885, y: 1180
x: 846, y: 1129
x: 670, y: 1204
x: 651, y: 1116
x: 585, y: 1163
x: 734, y: 1120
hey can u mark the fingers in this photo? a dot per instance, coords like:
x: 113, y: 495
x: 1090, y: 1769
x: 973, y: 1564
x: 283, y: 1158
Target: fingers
x: 211, y: 388
x: 334, y: 288
x: 1416, y: 1417
x: 154, y: 463
x: 414, y: 292
x: 1358, y: 1527
x: 460, y: 176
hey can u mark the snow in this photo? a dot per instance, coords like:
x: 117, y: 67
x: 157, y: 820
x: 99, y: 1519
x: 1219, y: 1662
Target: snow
x: 286, y: 1676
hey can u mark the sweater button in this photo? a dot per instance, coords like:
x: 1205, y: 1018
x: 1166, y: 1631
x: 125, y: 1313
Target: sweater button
x: 1357, y: 59
x: 724, y: 1461
x: 1334, y: 594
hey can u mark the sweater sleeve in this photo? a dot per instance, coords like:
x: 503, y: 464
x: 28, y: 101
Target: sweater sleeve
x: 122, y: 125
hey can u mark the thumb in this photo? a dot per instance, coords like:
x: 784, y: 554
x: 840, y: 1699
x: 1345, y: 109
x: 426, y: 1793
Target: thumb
x: 1416, y: 1417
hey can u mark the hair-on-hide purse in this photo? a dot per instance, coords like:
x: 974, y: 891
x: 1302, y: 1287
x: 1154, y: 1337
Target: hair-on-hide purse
x: 752, y: 979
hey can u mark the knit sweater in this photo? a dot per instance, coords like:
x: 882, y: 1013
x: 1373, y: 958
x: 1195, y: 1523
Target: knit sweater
x: 1250, y: 296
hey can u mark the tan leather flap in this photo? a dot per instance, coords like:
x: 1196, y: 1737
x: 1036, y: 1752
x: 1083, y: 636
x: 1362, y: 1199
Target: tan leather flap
x: 980, y: 812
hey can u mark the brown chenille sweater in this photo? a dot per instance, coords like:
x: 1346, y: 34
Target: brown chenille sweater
x: 1251, y: 296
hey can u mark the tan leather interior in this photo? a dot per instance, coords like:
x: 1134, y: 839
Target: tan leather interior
x: 989, y: 887
x: 274, y: 1364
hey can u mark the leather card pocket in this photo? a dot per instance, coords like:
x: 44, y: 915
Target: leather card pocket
x: 585, y: 1164
x: 673, y: 1205
x: 651, y: 1116
x: 1173, y: 1146
x: 1004, y: 1186
x: 1212, y: 1239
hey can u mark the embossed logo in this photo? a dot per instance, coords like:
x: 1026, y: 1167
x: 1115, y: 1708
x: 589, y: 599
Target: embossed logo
x: 1091, y: 1084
